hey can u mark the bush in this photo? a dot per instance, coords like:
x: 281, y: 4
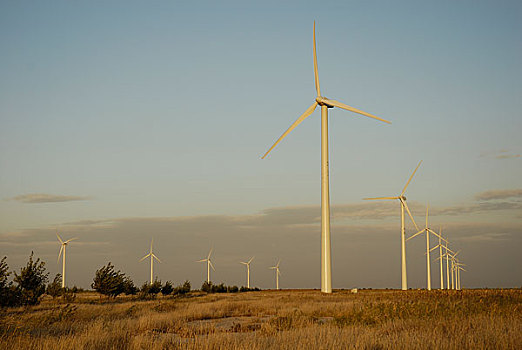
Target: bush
x: 128, y: 287
x: 167, y: 288
x: 109, y: 282
x: 31, y: 281
x: 208, y: 287
x: 182, y: 289
x: 54, y: 288
x: 8, y: 295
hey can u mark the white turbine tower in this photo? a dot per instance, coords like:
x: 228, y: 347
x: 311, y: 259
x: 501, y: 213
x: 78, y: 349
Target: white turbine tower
x: 440, y: 246
x: 62, y: 249
x: 247, y: 264
x: 428, y: 261
x: 152, y: 257
x: 276, y: 268
x: 209, y: 264
x: 325, y: 103
x: 402, y: 200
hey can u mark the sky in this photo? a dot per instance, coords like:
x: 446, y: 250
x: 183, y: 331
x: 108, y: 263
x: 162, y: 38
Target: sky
x: 124, y: 121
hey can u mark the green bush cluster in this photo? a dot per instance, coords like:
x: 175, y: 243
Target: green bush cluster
x: 208, y: 287
x: 28, y: 286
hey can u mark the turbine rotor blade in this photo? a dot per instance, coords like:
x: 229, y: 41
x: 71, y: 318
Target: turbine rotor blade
x: 292, y: 127
x: 436, y: 234
x: 210, y: 253
x: 316, y: 73
x: 411, y: 177
x: 72, y: 239
x: 352, y: 109
x: 379, y: 198
x: 202, y: 260
x: 409, y: 214
x: 252, y: 258
x: 154, y: 256
x: 59, y: 238
x: 146, y: 256
x: 60, y: 253
x: 211, y: 265
x: 415, y: 235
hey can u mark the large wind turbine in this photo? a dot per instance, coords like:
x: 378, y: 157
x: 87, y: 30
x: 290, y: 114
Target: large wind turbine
x: 62, y: 249
x: 402, y: 200
x: 247, y: 264
x: 440, y: 246
x: 428, y: 231
x: 152, y: 257
x: 209, y: 264
x: 277, y: 273
x: 325, y: 103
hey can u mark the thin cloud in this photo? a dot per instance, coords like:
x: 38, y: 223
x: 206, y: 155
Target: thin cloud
x: 500, y: 154
x: 498, y: 194
x: 46, y: 198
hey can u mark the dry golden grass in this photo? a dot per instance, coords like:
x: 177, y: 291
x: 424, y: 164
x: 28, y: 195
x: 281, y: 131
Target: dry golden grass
x: 297, y: 319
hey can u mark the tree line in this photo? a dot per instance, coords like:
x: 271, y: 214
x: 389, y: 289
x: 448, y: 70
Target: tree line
x: 28, y: 286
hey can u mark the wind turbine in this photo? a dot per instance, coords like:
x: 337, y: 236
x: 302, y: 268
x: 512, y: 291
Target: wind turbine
x: 248, y: 270
x: 325, y: 103
x: 440, y: 246
x: 402, y: 200
x: 428, y: 231
x: 62, y: 248
x: 152, y: 257
x: 209, y: 264
x: 459, y: 268
x: 277, y: 273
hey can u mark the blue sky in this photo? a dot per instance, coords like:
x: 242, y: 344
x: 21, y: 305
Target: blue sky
x: 163, y: 109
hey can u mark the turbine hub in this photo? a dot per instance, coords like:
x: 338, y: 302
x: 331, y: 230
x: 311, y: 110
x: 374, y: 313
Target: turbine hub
x: 322, y: 101
x: 403, y: 198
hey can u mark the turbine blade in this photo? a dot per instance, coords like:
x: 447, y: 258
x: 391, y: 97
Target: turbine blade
x: 292, y: 127
x: 379, y: 198
x: 210, y: 252
x: 60, y: 253
x: 59, y: 238
x: 436, y: 234
x: 432, y: 249
x: 211, y: 265
x: 316, y: 73
x: 244, y: 263
x: 202, y: 260
x: 409, y: 214
x: 146, y: 256
x: 252, y: 258
x: 415, y: 235
x: 411, y: 177
x: 154, y: 256
x: 72, y: 239
x: 351, y: 109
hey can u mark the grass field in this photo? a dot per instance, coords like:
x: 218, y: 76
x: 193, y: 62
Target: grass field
x: 289, y: 319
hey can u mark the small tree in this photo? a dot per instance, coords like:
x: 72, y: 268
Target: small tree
x: 7, y: 291
x: 54, y: 288
x: 167, y: 288
x: 128, y: 286
x: 206, y: 287
x: 182, y: 288
x: 31, y: 281
x: 155, y: 287
x: 109, y: 282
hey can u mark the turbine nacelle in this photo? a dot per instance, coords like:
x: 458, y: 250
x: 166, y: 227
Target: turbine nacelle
x: 323, y: 101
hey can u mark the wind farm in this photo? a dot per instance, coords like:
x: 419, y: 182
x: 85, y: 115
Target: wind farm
x: 162, y: 120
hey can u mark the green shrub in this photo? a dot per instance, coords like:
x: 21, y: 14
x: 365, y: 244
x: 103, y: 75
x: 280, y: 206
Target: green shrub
x: 31, y: 281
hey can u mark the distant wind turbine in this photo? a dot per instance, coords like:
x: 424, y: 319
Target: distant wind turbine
x: 62, y: 249
x: 209, y: 264
x: 440, y: 247
x: 152, y: 257
x: 402, y: 200
x: 428, y: 231
x: 276, y: 268
x: 325, y: 103
x: 247, y: 264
